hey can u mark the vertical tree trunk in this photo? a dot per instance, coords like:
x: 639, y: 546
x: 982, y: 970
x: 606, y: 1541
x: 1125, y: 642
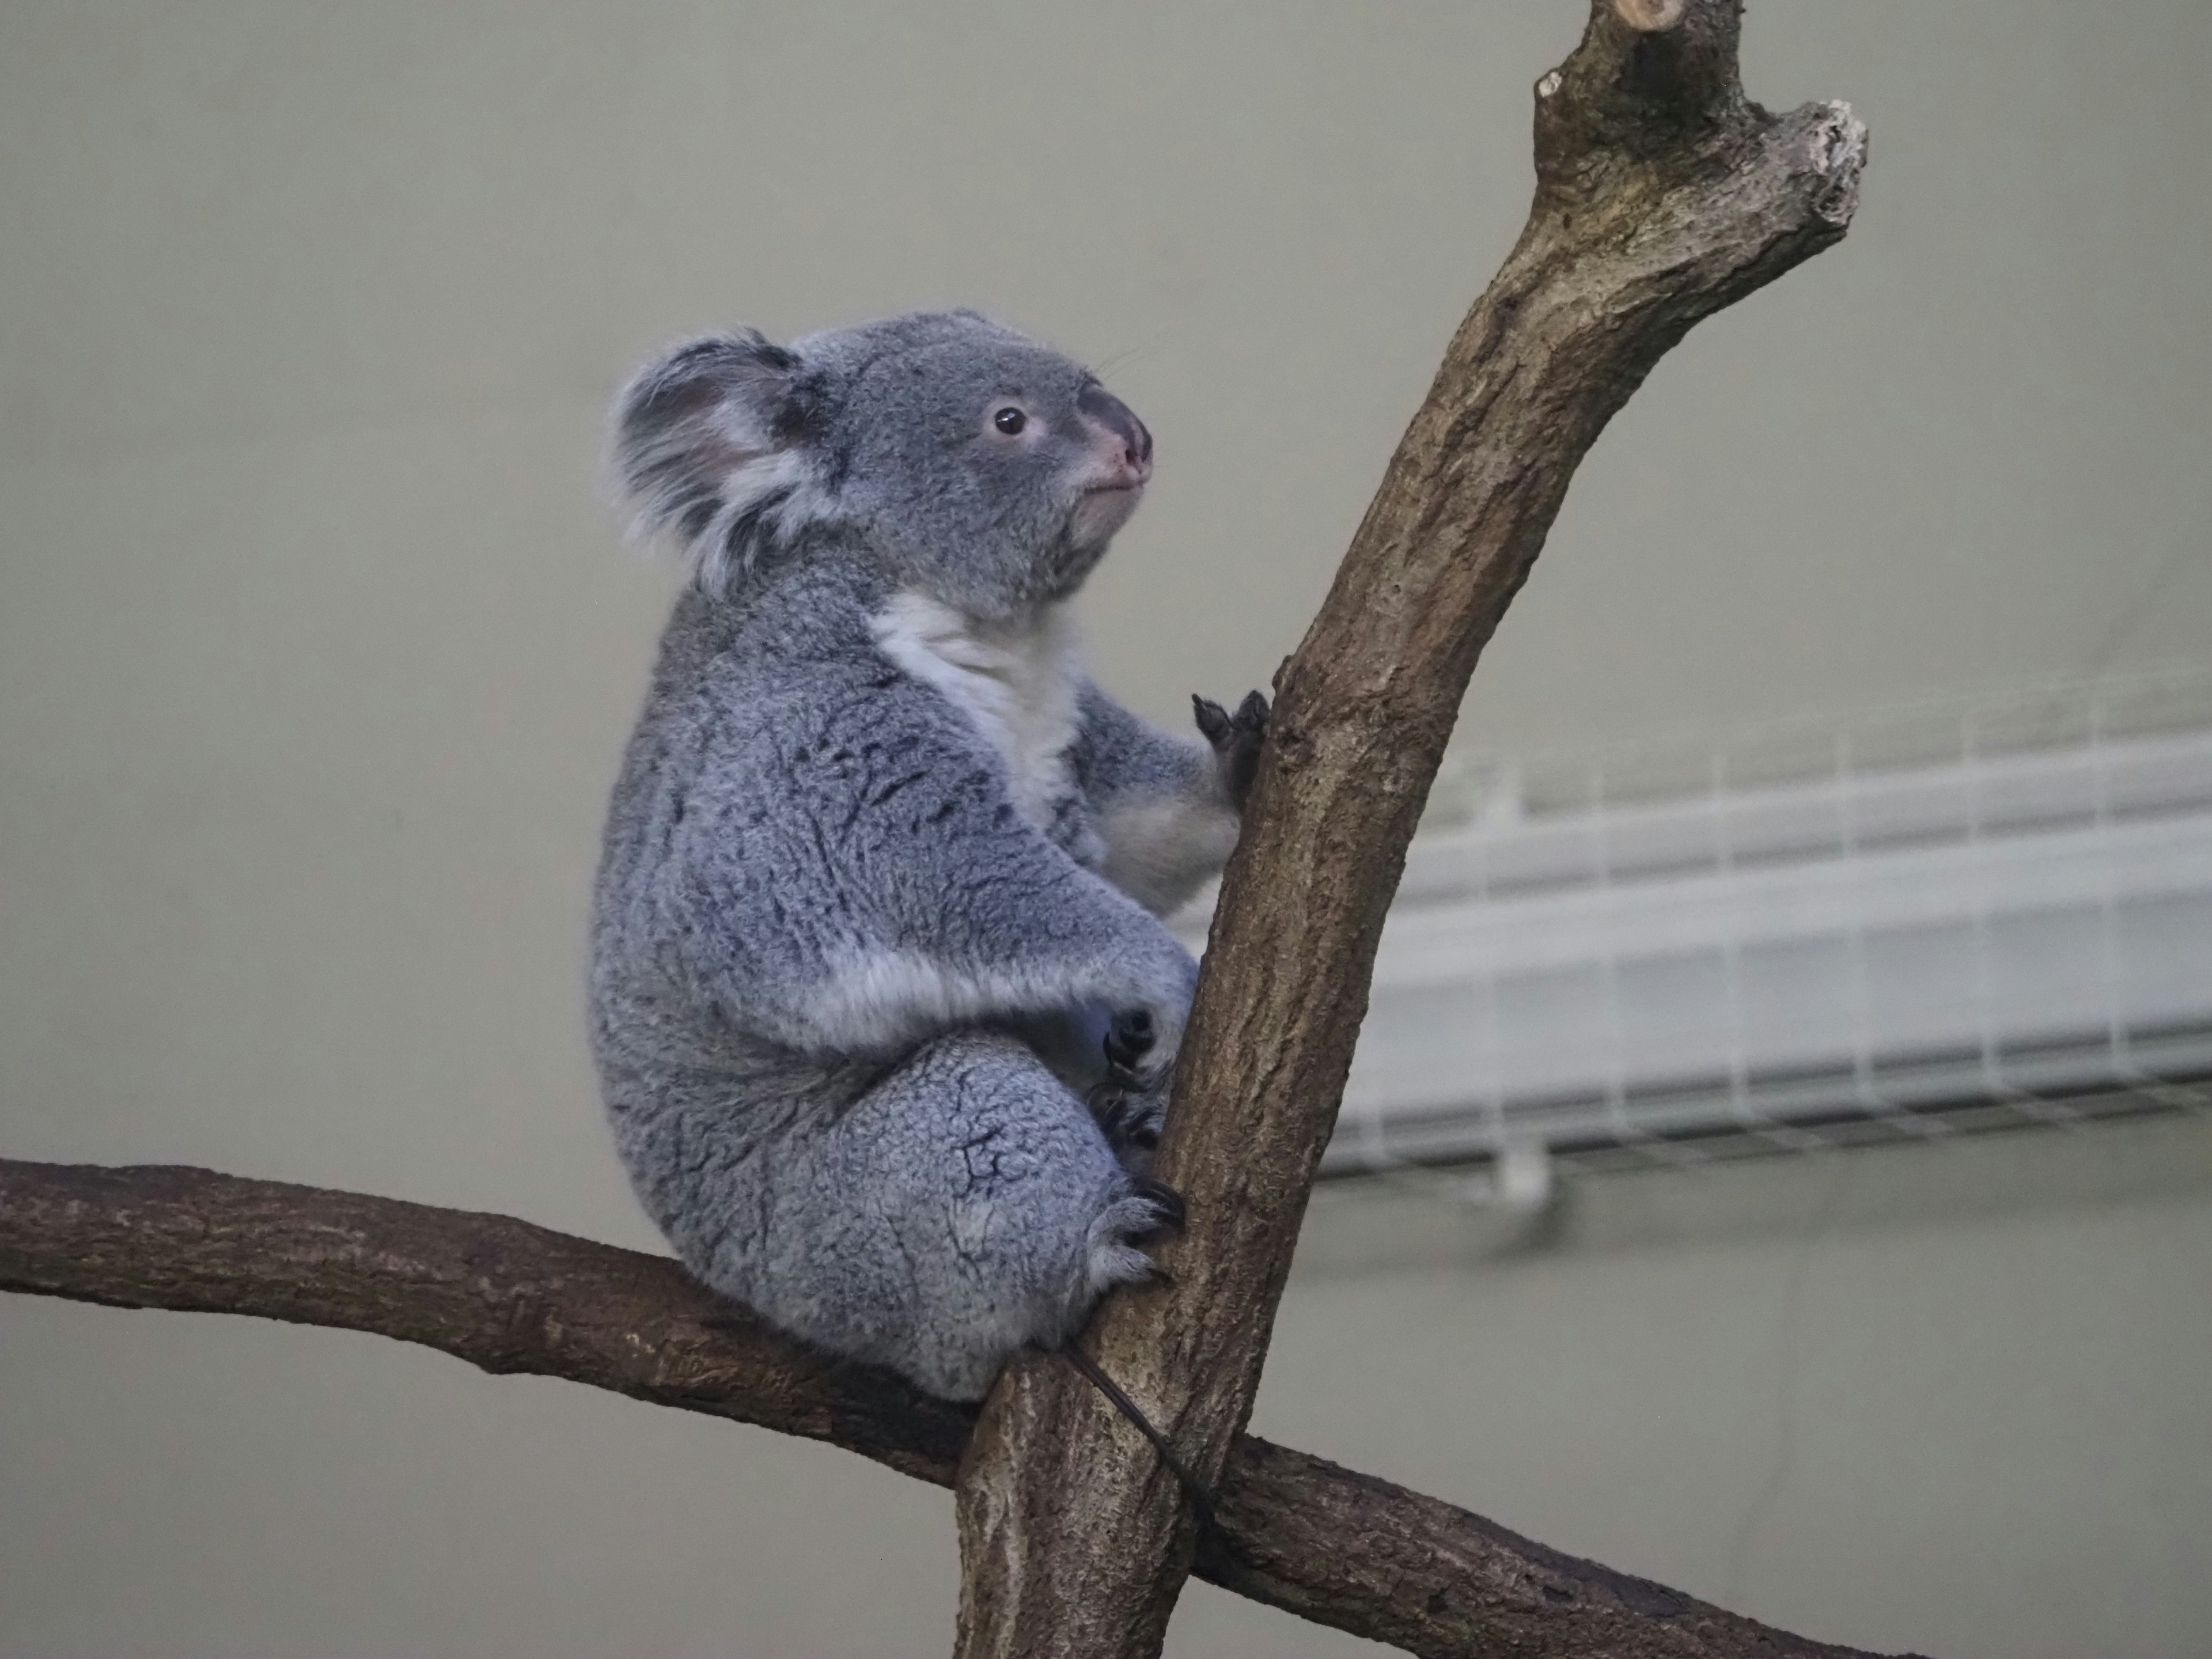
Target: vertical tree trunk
x: 1663, y: 196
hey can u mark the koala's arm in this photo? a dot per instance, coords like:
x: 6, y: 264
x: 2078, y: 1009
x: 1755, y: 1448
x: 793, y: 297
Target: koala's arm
x: 885, y: 890
x: 1168, y: 808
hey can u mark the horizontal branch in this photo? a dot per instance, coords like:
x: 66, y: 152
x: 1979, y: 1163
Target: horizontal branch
x: 1294, y: 1532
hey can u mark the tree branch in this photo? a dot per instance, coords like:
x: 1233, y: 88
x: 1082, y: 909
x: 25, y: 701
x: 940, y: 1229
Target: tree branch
x: 1295, y: 1532
x: 1663, y: 196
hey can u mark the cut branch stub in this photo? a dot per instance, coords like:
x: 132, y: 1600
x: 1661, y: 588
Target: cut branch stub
x: 1650, y: 15
x: 1663, y: 196
x: 1637, y: 85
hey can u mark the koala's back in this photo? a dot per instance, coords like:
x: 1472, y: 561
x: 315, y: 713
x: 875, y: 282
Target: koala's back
x: 782, y: 749
x: 734, y: 685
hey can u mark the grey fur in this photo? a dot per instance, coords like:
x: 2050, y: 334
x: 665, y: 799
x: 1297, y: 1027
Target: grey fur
x: 854, y: 940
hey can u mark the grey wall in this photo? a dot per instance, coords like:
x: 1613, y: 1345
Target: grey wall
x: 316, y: 651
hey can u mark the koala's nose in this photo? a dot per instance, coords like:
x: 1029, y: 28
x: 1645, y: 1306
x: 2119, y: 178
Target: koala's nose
x: 1118, y: 418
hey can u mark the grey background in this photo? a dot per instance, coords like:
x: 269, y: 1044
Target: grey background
x: 316, y: 648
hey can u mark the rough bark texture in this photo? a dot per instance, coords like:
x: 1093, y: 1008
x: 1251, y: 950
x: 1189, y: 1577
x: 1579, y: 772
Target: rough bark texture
x: 1294, y: 1532
x: 1663, y: 196
x: 500, y: 1293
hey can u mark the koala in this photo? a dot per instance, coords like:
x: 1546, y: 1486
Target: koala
x: 880, y: 998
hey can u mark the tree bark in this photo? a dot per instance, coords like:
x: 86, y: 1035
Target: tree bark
x: 1294, y: 1532
x: 1662, y: 194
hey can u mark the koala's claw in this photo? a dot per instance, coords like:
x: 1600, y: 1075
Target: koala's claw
x: 1235, y: 739
x: 1173, y: 1212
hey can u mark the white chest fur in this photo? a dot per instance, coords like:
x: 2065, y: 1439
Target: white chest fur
x: 1018, y: 684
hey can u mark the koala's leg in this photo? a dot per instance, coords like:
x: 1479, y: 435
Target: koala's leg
x: 965, y: 1205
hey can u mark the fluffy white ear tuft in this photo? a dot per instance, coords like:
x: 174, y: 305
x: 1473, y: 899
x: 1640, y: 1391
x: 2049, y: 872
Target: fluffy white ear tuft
x: 712, y: 446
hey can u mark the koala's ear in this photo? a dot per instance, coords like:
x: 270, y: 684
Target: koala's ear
x: 714, y: 446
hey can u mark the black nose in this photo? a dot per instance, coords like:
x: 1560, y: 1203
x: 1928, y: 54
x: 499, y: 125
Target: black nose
x: 1117, y: 417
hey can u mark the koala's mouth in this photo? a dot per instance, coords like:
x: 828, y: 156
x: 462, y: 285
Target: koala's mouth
x: 1100, y: 509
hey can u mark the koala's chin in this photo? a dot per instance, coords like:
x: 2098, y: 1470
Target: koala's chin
x: 1099, y: 513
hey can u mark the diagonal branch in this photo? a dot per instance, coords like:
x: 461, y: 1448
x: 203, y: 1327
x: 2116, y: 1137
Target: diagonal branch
x: 1296, y: 1533
x: 1663, y: 196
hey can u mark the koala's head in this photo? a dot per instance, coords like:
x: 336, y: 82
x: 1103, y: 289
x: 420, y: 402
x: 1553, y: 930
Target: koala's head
x: 980, y: 467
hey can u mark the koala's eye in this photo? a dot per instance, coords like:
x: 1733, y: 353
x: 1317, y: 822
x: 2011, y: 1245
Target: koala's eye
x: 1010, y: 420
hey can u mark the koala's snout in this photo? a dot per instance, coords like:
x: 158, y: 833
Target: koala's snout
x: 1118, y: 423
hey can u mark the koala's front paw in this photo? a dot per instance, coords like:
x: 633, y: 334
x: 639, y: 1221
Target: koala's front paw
x: 1235, y: 739
x: 1152, y: 1007
x: 1128, y: 1040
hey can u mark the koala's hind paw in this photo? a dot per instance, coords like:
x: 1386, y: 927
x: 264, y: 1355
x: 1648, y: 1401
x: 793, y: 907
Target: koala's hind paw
x: 1173, y: 1212
x: 1149, y: 1211
x: 1130, y: 1116
x: 1235, y: 739
x: 1131, y: 1107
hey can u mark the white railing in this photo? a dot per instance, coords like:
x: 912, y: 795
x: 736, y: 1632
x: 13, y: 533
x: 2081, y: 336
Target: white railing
x: 2005, y: 919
